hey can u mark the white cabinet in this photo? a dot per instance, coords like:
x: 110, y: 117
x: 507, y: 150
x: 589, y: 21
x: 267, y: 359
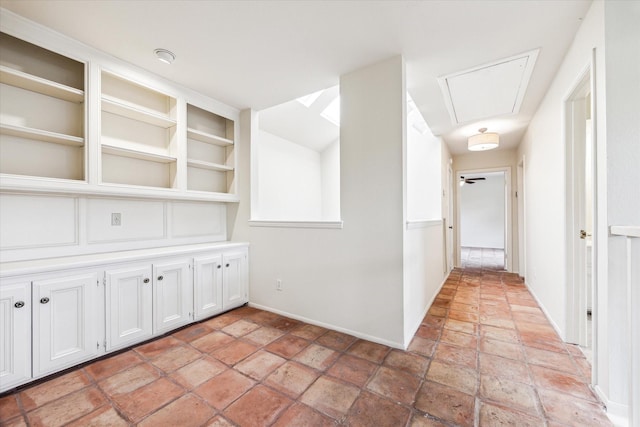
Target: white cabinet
x: 65, y: 322
x: 15, y: 334
x: 173, y: 295
x: 234, y: 279
x: 129, y: 315
x: 220, y: 282
x: 207, y: 284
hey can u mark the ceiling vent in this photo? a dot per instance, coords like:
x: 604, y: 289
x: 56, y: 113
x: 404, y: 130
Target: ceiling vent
x: 488, y: 90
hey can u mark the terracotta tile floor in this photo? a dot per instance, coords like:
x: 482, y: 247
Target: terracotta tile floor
x: 484, y: 355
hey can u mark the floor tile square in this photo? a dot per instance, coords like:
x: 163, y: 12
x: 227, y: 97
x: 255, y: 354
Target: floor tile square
x: 446, y: 403
x: 187, y: 411
x: 562, y: 382
x: 317, y: 357
x: 309, y: 332
x: 154, y: 348
x: 572, y: 412
x: 8, y: 408
x: 126, y: 381
x: 234, y: 352
x: 257, y: 408
x: 192, y: 332
x: 197, y: 372
x: 455, y: 355
x: 352, y: 369
x: 240, y: 328
x: 223, y: 389
x: 288, y: 346
x: 336, y: 340
x: 330, y: 396
x: 292, y: 379
x: 106, y: 367
x: 105, y: 416
x: 303, y: 416
x: 412, y: 364
x: 509, y: 369
x: 508, y: 393
x: 395, y: 385
x: 259, y: 364
x: 175, y: 358
x: 263, y: 336
x: 455, y: 376
x: 51, y: 390
x: 222, y: 320
x: 369, y: 350
x: 371, y: 410
x: 146, y: 399
x: 67, y: 408
x: 501, y: 348
x: 492, y: 415
x: 211, y: 342
x: 422, y: 346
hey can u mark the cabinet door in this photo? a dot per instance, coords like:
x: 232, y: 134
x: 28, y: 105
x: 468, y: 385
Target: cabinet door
x: 234, y: 279
x: 207, y: 285
x: 65, y: 322
x: 129, y: 306
x: 15, y: 334
x: 173, y: 295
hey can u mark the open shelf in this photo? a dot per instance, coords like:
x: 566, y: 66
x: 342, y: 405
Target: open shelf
x: 41, y: 135
x: 135, y: 154
x: 37, y: 84
x: 208, y: 165
x: 135, y: 112
x: 208, y: 138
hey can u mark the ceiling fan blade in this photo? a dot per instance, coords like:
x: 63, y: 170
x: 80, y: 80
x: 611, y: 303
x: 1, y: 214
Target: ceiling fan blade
x: 476, y: 179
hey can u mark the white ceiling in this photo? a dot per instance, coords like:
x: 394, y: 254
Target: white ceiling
x: 262, y: 53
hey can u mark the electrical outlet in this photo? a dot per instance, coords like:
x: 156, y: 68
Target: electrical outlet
x: 278, y: 285
x: 116, y: 219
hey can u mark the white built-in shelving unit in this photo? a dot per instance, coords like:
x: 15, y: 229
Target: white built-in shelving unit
x: 131, y: 135
x: 42, y: 111
x: 210, y: 152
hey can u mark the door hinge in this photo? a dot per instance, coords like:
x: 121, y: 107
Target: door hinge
x: 97, y: 345
x: 105, y: 345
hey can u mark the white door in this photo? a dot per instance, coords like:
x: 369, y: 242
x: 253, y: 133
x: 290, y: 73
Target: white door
x: 207, y: 285
x: 234, y: 279
x: 449, y: 201
x: 173, y: 295
x: 65, y: 322
x: 129, y: 306
x: 15, y: 334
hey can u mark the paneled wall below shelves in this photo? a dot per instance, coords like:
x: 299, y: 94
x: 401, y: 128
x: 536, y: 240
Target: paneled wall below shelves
x: 42, y: 226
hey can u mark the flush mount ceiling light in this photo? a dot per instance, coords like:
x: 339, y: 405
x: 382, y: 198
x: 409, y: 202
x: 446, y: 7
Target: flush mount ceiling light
x: 484, y: 141
x: 165, y: 55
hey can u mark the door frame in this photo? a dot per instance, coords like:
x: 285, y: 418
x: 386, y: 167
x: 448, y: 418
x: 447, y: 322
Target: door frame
x: 450, y: 253
x: 508, y: 220
x: 521, y: 201
x: 576, y: 295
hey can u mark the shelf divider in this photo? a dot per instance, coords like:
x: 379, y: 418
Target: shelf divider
x: 208, y: 165
x: 136, y: 112
x: 208, y: 138
x: 135, y: 154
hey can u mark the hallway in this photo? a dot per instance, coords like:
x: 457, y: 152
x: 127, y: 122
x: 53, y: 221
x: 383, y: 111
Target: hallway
x: 484, y: 355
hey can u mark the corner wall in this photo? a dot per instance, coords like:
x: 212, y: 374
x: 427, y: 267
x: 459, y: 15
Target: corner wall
x: 348, y: 279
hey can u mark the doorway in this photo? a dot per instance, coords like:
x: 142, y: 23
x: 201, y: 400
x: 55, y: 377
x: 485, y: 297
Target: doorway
x: 484, y: 219
x: 520, y: 197
x: 580, y: 220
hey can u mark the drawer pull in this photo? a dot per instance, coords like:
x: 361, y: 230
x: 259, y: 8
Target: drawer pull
x: 145, y: 281
x: 19, y: 304
x: 227, y: 265
x: 44, y: 300
x: 160, y: 277
x: 219, y: 266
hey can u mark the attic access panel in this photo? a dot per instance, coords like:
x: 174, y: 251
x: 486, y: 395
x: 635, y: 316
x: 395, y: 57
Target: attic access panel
x: 488, y: 90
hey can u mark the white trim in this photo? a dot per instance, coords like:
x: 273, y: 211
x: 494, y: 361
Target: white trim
x: 10, y: 269
x: 328, y: 326
x: 423, y: 223
x: 625, y: 230
x: 553, y: 324
x: 616, y: 412
x: 295, y: 224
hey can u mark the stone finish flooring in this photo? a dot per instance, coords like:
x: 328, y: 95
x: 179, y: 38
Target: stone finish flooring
x: 485, y: 355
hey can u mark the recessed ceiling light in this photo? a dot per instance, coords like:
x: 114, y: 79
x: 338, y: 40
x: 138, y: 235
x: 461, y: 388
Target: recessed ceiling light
x: 165, y: 55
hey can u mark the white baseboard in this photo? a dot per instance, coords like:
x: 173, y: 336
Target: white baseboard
x: 329, y: 326
x: 554, y: 325
x: 617, y: 412
x: 424, y: 313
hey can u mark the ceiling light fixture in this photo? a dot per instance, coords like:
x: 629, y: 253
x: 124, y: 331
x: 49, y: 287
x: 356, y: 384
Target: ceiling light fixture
x: 165, y: 55
x: 484, y: 141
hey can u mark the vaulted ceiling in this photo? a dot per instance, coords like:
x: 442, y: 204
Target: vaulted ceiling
x: 262, y: 53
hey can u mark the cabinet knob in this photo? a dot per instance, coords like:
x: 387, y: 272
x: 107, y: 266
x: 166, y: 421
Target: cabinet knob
x: 219, y: 266
x: 227, y: 265
x: 19, y: 304
x: 145, y: 281
x: 160, y: 277
x: 44, y: 300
